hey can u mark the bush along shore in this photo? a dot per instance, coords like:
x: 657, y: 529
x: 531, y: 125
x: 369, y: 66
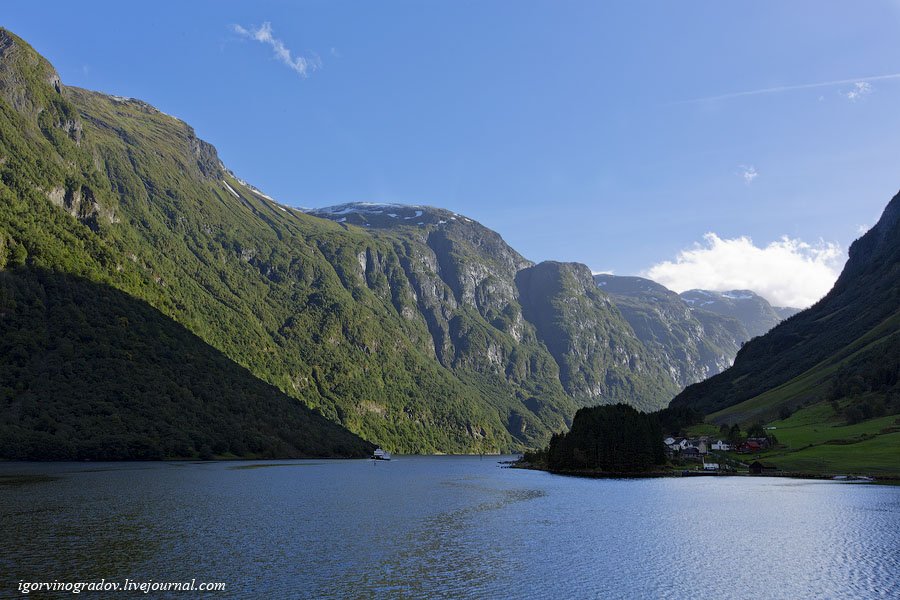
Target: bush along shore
x: 614, y: 440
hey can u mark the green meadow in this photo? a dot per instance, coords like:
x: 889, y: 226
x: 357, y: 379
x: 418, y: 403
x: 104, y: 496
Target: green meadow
x: 816, y: 439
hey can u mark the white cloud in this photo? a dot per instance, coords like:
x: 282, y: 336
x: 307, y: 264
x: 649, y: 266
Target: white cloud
x: 602, y: 272
x: 787, y: 272
x: 860, y: 90
x: 748, y: 172
x: 862, y: 229
x: 302, y: 65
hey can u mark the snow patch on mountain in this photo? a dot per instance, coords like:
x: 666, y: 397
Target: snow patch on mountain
x: 230, y: 189
x: 738, y: 295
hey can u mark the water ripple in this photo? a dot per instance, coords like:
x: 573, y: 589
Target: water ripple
x: 446, y: 527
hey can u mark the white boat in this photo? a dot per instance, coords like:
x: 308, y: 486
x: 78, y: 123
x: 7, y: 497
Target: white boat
x: 381, y: 455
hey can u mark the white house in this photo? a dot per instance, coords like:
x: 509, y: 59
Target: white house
x: 669, y: 441
x: 710, y: 466
x: 721, y: 445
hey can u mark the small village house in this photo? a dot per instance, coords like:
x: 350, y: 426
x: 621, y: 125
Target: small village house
x: 758, y: 468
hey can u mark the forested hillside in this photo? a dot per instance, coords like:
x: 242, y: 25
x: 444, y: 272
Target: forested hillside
x: 97, y: 374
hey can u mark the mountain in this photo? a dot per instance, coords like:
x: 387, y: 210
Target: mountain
x: 749, y: 308
x: 89, y: 372
x: 504, y: 323
x: 695, y: 334
x: 844, y: 349
x: 413, y: 327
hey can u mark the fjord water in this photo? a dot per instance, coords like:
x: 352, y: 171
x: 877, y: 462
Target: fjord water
x: 444, y: 527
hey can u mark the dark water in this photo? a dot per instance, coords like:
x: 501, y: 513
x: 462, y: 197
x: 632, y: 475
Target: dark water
x: 444, y: 527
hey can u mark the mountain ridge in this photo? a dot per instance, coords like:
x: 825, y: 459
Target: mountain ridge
x: 412, y: 337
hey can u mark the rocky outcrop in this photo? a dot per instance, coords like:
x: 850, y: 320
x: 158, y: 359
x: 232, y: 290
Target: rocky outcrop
x: 81, y: 203
x: 206, y: 156
x: 523, y: 326
x: 697, y: 333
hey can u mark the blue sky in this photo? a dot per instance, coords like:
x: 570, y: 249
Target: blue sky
x: 604, y: 133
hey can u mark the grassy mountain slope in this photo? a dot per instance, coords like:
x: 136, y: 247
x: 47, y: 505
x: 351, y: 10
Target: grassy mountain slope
x: 868, y: 364
x: 818, y: 439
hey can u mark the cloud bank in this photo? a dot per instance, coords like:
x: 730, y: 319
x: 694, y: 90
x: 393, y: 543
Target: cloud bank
x: 787, y: 272
x: 301, y: 65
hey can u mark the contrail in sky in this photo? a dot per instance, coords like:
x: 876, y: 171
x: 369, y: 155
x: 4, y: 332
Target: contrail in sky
x: 790, y: 88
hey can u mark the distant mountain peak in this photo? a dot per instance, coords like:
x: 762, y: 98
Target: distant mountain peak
x: 629, y: 285
x: 748, y: 307
x: 698, y: 332
x: 388, y: 215
x: 27, y: 79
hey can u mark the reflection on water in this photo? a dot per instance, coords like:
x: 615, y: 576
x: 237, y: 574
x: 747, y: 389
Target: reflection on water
x: 444, y: 527
x: 270, y: 465
x: 26, y: 479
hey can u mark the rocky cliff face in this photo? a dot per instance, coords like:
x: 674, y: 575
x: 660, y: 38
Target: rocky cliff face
x: 601, y: 360
x: 692, y: 343
x: 696, y: 334
x: 543, y: 332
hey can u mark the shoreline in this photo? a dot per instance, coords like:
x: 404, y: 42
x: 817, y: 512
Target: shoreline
x: 677, y: 473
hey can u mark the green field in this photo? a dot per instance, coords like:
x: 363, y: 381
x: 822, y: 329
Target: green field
x: 877, y: 456
x: 702, y: 429
x: 817, y: 440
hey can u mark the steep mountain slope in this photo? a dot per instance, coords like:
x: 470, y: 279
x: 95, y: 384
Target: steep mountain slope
x: 461, y: 280
x: 844, y: 348
x: 693, y: 343
x: 749, y: 308
x: 506, y: 321
x: 601, y: 360
x: 412, y: 335
x: 97, y: 374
